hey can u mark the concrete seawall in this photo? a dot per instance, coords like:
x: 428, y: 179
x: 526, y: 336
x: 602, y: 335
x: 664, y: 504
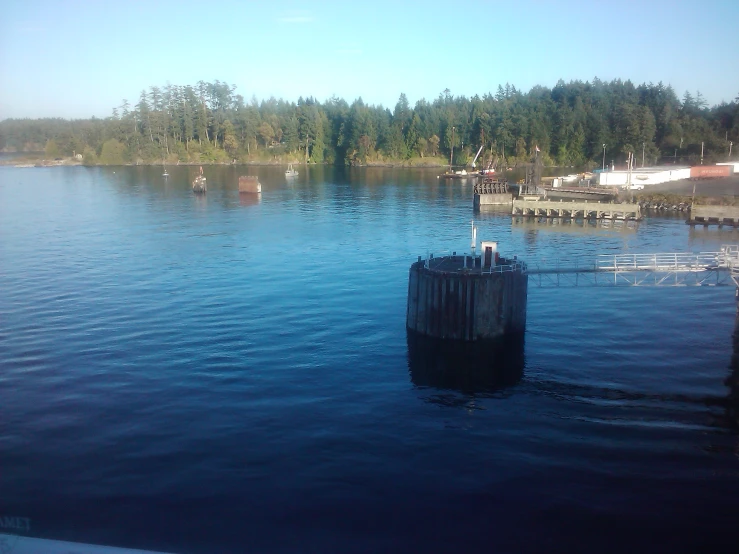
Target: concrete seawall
x: 503, y: 199
x: 586, y: 210
x: 714, y: 215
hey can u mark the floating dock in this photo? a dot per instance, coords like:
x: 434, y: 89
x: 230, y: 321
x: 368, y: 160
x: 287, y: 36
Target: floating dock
x: 575, y: 209
x: 714, y: 215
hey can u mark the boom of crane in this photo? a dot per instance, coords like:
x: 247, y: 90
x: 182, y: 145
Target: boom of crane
x: 476, y: 156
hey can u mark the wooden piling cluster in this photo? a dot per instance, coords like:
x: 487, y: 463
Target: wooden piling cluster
x: 448, y: 301
x: 249, y: 184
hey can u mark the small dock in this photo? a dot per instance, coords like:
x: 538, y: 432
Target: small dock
x: 714, y: 215
x: 533, y: 207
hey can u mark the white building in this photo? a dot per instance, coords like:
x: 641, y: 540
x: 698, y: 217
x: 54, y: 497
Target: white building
x: 735, y: 164
x: 643, y: 176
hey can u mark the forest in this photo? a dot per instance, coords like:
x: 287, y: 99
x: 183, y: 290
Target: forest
x: 569, y: 123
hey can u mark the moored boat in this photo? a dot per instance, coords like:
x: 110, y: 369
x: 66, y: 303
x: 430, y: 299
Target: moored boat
x: 200, y: 184
x: 290, y: 172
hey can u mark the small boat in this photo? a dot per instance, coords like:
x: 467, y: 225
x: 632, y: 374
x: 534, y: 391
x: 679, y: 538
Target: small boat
x: 458, y: 175
x: 200, y: 184
x: 450, y: 174
x: 290, y: 172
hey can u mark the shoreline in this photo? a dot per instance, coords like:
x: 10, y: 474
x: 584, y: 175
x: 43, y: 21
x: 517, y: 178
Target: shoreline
x: 25, y: 162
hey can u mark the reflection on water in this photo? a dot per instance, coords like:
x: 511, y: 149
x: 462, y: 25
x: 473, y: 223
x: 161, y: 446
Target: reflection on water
x: 491, y: 211
x: 704, y: 238
x: 247, y: 199
x: 469, y: 367
x: 573, y: 225
x: 161, y: 363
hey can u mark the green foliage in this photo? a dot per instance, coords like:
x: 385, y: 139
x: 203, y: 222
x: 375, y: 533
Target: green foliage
x: 52, y: 149
x: 266, y: 133
x: 89, y: 157
x: 208, y: 122
x: 113, y: 153
x: 230, y: 142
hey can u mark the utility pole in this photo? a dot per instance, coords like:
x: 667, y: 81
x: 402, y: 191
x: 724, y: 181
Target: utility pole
x: 702, y: 153
x: 451, y: 155
x: 643, y: 146
x: 731, y: 143
x: 604, y: 157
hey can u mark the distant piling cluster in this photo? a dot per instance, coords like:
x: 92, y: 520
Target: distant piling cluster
x: 249, y: 184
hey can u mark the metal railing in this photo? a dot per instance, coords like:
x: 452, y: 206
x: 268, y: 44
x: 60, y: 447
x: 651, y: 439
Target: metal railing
x: 664, y: 261
x: 666, y: 269
x: 663, y: 268
x: 435, y: 261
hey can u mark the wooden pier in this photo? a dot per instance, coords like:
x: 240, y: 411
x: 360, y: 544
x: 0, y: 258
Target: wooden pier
x: 575, y: 209
x: 714, y: 215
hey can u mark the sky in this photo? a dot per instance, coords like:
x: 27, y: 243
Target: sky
x: 77, y: 59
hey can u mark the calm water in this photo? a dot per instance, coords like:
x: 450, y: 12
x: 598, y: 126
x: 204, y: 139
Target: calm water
x: 225, y: 374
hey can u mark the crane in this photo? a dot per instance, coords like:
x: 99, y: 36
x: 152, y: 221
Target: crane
x: 476, y: 155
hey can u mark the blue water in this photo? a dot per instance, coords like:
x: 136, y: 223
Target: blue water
x: 222, y: 374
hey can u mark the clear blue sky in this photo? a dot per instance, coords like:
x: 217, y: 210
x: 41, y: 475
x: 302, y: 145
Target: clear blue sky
x: 78, y: 59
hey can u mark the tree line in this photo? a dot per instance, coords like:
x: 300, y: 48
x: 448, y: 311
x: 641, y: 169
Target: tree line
x: 569, y: 123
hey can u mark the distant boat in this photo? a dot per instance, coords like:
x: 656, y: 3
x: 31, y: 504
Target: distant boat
x: 290, y: 172
x: 462, y: 174
x: 164, y: 167
x: 200, y: 184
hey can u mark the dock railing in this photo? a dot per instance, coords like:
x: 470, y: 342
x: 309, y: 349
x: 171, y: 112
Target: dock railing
x: 664, y: 268
x: 647, y: 269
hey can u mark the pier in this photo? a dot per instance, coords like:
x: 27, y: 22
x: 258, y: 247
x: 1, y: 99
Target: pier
x: 575, y: 209
x: 471, y: 297
x: 714, y: 215
x: 667, y: 269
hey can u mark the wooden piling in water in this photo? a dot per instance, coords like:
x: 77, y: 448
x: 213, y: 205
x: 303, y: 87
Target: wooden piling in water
x: 448, y: 301
x: 249, y: 184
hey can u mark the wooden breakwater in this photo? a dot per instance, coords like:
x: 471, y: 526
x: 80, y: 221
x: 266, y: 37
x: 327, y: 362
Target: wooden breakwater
x: 575, y: 209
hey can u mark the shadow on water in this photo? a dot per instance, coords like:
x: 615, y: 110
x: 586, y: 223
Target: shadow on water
x: 470, y: 368
x: 570, y: 225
